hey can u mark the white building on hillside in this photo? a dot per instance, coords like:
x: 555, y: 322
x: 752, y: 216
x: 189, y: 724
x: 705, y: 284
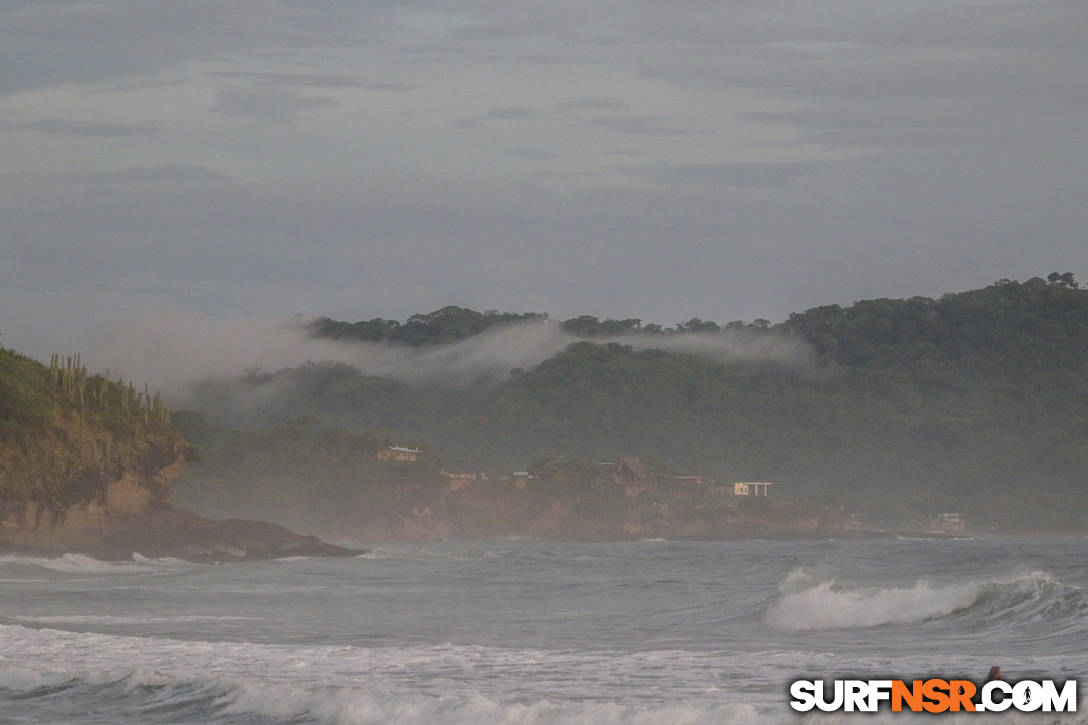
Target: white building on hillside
x: 751, y: 488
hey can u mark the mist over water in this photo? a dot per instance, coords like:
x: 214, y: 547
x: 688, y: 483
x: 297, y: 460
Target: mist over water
x: 531, y: 632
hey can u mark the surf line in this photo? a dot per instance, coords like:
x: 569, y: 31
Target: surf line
x: 934, y: 695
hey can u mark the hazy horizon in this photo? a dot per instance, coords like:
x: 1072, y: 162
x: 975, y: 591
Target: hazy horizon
x: 730, y: 160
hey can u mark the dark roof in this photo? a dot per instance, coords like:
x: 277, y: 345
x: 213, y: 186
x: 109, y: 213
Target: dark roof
x: 637, y: 468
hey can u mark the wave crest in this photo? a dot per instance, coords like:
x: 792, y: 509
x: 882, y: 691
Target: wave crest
x: 806, y: 604
x: 81, y: 564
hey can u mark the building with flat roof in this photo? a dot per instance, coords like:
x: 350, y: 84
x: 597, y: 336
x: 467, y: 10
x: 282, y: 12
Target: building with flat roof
x: 398, y: 453
x: 950, y: 523
x: 751, y: 488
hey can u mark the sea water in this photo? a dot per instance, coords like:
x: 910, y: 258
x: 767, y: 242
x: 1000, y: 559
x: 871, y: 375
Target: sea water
x: 533, y: 632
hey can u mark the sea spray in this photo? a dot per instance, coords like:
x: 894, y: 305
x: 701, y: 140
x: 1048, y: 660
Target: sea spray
x: 808, y: 604
x: 825, y: 606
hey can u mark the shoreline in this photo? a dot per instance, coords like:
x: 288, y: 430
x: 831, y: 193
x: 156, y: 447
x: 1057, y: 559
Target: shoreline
x: 221, y: 541
x: 175, y: 533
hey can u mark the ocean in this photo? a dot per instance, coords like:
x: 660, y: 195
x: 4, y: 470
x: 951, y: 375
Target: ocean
x: 534, y: 632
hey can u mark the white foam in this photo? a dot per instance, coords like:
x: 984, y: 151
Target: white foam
x: 810, y: 604
x: 81, y: 564
x: 377, y: 554
x: 414, y: 554
x: 341, y: 683
x: 826, y: 606
x: 110, y: 619
x: 409, y: 685
x: 362, y: 707
x: 164, y: 560
x: 796, y: 580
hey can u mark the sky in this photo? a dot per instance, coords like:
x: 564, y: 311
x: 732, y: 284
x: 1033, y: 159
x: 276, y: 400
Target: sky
x: 728, y: 159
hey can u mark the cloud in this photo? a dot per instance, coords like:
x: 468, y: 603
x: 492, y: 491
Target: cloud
x: 310, y: 80
x: 390, y: 87
x: 531, y: 154
x: 752, y: 174
x: 468, y: 124
x: 90, y: 129
x: 593, y: 103
x: 275, y: 106
x: 156, y: 174
x: 644, y: 125
x: 173, y: 350
x: 511, y: 113
x: 293, y: 80
x: 58, y: 43
x: 772, y: 156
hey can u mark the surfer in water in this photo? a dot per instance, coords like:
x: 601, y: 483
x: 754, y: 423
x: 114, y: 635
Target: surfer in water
x: 994, y: 674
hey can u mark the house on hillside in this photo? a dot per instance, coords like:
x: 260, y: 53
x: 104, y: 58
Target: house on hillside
x: 558, y: 468
x: 949, y: 523
x: 461, y: 479
x: 397, y: 453
x: 631, y: 470
x: 751, y: 488
x: 634, y: 475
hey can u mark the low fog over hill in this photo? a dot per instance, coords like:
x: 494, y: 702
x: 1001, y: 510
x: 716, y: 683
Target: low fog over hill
x: 897, y: 409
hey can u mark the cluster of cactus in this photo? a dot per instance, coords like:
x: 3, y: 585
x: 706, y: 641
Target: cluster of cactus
x: 150, y: 408
x: 70, y: 375
x: 155, y: 411
x: 99, y: 427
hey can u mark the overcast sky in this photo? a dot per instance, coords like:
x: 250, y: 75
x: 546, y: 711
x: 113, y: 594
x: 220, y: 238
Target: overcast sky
x: 729, y: 159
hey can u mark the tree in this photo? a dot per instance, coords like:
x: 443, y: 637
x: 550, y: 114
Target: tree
x: 1064, y: 280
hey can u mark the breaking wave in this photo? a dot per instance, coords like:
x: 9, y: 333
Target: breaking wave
x: 112, y: 619
x: 155, y: 697
x: 54, y: 674
x: 81, y: 564
x: 220, y: 700
x: 808, y: 604
x: 415, y: 553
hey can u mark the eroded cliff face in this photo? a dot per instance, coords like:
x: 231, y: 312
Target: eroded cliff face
x: 86, y: 464
x: 131, y: 516
x: 132, y: 491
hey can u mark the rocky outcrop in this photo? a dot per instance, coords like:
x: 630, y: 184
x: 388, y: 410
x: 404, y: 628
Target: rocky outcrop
x: 184, y: 535
x: 86, y: 464
x: 131, y: 516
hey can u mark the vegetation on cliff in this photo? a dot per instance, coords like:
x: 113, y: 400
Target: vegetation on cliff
x: 313, y: 478
x: 449, y: 324
x: 453, y: 324
x: 65, y: 435
x: 905, y: 407
x: 301, y: 474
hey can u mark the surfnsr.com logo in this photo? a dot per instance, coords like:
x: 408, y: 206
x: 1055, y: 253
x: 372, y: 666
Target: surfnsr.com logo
x: 933, y: 695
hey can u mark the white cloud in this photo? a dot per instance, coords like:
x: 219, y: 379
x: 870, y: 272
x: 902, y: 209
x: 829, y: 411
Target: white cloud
x: 174, y: 349
x: 722, y: 159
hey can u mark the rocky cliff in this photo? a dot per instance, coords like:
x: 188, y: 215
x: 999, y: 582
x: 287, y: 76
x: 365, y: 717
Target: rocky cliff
x: 86, y: 465
x: 109, y: 498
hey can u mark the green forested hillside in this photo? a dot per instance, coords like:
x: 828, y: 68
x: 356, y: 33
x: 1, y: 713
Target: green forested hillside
x: 443, y: 326
x: 64, y: 434
x: 972, y: 402
x: 299, y: 473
